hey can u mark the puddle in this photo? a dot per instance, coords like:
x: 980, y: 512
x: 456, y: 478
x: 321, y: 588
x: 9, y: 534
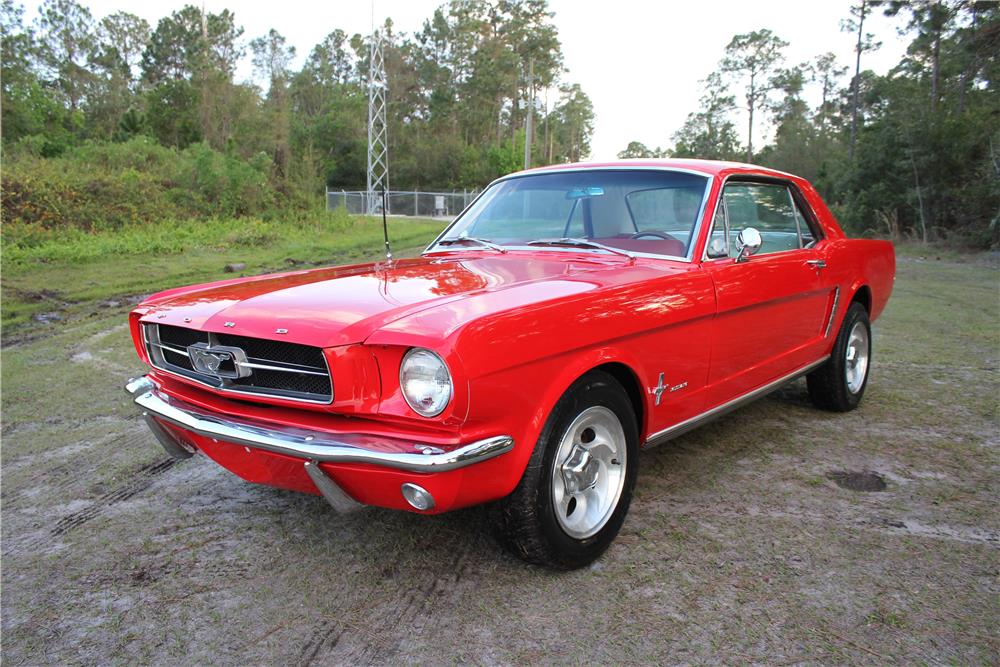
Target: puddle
x: 857, y: 481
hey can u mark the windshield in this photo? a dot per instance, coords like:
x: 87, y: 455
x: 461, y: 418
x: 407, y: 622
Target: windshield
x: 652, y: 211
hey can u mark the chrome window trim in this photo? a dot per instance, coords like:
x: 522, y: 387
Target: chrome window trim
x: 696, y: 232
x: 223, y: 389
x: 796, y: 214
x: 763, y: 179
x: 602, y: 253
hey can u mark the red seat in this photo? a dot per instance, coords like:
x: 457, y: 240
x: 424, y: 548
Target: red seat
x: 647, y: 244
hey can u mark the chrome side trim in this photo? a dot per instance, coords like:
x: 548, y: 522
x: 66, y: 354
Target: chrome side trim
x: 301, y: 443
x: 170, y: 348
x: 690, y: 424
x: 268, y: 367
x: 833, y: 312
x: 336, y: 496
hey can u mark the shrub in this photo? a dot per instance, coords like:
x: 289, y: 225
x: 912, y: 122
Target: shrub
x: 107, y: 185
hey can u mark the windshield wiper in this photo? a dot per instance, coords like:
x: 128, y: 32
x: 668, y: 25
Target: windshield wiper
x: 582, y: 243
x: 486, y: 243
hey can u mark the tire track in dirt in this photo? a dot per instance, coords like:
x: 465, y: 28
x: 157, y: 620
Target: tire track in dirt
x: 319, y: 641
x: 408, y: 615
x: 60, y: 472
x: 139, y: 481
x: 404, y: 615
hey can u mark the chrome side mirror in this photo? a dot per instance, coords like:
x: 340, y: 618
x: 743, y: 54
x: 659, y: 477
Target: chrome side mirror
x: 748, y: 242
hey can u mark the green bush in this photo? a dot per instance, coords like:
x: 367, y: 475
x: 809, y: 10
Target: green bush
x: 105, y: 185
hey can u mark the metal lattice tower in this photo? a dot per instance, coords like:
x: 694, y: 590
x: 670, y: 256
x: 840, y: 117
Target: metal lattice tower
x: 378, y: 137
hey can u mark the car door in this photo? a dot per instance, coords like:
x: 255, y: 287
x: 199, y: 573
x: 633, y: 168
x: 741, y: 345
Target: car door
x: 771, y: 306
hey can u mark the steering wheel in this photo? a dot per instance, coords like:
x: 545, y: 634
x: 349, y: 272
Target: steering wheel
x: 654, y: 234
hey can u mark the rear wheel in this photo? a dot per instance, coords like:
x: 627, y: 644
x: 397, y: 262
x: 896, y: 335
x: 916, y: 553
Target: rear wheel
x: 575, y: 492
x: 840, y: 383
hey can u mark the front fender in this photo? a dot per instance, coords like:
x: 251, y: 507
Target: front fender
x: 521, y: 399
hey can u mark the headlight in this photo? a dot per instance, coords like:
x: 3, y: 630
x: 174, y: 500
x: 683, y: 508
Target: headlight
x: 425, y: 381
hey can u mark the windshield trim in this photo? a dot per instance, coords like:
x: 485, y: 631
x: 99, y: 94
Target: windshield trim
x: 695, y: 234
x: 567, y: 249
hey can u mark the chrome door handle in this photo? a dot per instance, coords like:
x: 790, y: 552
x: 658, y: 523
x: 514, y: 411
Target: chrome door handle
x: 816, y: 263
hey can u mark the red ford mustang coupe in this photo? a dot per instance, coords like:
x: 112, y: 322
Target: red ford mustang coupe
x: 569, y: 317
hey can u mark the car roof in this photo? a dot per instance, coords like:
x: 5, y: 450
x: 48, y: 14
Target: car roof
x: 709, y: 167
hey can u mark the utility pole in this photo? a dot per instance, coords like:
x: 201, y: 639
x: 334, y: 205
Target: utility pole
x: 378, y: 147
x: 862, y: 10
x: 531, y: 113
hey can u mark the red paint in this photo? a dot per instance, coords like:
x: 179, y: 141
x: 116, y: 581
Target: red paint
x: 516, y: 330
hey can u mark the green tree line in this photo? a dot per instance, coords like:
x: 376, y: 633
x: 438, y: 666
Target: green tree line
x: 459, y: 93
x: 914, y: 153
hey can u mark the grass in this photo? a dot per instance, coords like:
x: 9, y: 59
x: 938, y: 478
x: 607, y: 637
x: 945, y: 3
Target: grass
x: 66, y: 271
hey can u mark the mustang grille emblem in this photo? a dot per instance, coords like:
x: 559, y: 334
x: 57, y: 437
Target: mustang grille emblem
x: 221, y: 361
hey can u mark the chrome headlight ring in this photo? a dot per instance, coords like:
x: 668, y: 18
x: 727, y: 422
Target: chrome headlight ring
x: 425, y: 382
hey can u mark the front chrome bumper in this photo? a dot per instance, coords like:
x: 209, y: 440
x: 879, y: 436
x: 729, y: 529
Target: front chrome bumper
x: 313, y: 446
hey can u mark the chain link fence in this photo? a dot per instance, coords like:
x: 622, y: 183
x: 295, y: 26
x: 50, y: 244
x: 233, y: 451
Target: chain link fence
x: 416, y: 203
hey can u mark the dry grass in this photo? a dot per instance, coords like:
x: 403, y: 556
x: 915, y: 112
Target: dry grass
x: 739, y: 547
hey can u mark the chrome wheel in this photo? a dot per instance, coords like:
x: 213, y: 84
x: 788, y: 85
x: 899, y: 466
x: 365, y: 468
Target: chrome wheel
x: 588, y: 472
x: 857, y: 353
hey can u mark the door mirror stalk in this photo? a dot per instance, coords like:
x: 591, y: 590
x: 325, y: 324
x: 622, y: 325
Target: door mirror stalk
x: 748, y: 242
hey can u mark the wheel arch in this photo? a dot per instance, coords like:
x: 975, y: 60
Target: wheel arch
x: 615, y: 362
x: 862, y: 294
x: 629, y: 381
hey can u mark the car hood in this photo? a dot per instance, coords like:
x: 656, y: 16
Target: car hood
x: 338, y: 306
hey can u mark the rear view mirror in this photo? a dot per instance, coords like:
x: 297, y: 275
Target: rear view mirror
x: 585, y: 193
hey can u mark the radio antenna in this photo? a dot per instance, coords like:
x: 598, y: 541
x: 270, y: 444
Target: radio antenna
x: 385, y: 229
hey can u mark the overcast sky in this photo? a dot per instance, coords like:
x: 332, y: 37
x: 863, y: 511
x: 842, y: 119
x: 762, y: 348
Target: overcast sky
x: 639, y: 61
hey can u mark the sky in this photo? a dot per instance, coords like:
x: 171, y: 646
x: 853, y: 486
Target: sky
x: 640, y: 61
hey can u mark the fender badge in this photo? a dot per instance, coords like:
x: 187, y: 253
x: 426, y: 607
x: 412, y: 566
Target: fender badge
x: 230, y: 324
x: 658, y: 389
x: 187, y: 319
x: 281, y: 331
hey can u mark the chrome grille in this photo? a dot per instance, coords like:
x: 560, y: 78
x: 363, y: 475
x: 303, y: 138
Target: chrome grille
x: 286, y: 370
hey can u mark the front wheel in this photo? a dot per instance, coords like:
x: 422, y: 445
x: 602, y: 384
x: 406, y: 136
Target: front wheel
x: 839, y: 384
x: 575, y: 492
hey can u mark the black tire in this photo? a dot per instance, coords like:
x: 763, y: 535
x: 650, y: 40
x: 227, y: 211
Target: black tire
x: 526, y: 519
x: 828, y: 385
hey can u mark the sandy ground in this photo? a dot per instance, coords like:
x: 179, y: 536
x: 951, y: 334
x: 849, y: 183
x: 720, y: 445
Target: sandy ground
x: 744, y: 544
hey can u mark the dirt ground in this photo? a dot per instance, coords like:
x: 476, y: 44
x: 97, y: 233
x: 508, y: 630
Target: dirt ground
x: 745, y: 543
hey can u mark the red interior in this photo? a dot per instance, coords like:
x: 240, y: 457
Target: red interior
x: 648, y: 244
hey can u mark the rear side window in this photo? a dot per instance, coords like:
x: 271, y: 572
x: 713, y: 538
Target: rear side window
x: 769, y: 208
